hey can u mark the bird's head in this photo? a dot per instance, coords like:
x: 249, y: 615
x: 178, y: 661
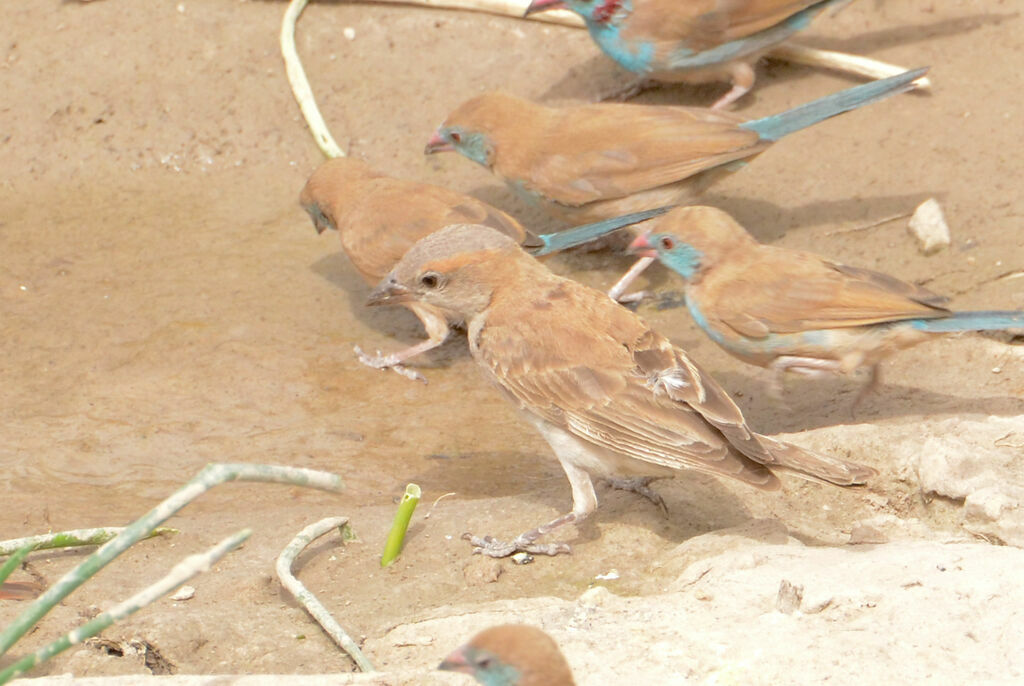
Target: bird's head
x: 477, y: 127
x: 511, y: 655
x: 593, y: 11
x: 455, y: 269
x: 690, y: 239
x: 329, y: 188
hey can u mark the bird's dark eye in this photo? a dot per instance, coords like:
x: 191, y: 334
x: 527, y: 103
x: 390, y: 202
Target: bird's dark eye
x: 430, y: 280
x: 666, y: 243
x: 456, y: 137
x: 485, y: 662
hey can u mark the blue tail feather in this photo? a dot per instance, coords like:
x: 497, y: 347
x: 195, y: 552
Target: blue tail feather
x: 778, y: 125
x: 570, y: 238
x: 993, y: 320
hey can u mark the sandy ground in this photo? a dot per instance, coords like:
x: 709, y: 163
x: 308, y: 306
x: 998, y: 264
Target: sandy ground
x: 166, y: 303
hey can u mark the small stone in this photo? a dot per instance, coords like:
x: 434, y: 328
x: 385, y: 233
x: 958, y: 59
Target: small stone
x: 863, y: 534
x: 481, y: 570
x: 349, y: 33
x: 184, y: 593
x: 929, y: 227
x: 522, y: 558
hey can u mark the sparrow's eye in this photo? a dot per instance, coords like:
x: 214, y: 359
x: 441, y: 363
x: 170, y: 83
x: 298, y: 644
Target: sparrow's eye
x: 430, y: 280
x: 485, y: 662
x: 455, y: 136
x: 666, y: 243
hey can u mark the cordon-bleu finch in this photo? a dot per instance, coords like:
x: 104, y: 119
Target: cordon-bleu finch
x: 378, y: 218
x: 592, y: 162
x: 511, y: 655
x: 790, y: 310
x: 695, y: 41
x: 612, y: 397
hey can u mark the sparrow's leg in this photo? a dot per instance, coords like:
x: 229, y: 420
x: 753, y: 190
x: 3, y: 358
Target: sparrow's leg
x: 437, y: 331
x: 641, y: 486
x: 808, y: 366
x: 616, y: 291
x: 630, y: 90
x: 568, y: 448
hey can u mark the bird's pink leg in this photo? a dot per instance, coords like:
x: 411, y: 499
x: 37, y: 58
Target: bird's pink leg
x: 742, y: 81
x: 584, y: 502
x: 808, y: 366
x: 616, y: 291
x: 437, y: 331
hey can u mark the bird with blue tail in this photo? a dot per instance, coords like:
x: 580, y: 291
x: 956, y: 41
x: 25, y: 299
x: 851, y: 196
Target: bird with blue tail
x: 594, y: 162
x: 591, y: 162
x: 789, y: 310
x: 511, y: 655
x: 695, y: 41
x: 379, y: 217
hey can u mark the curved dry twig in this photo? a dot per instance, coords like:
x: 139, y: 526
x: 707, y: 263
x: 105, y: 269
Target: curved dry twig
x: 306, y: 598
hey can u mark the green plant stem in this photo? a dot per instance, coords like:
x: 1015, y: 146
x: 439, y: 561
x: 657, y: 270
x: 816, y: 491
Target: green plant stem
x: 70, y: 539
x: 207, y: 478
x: 396, y: 536
x: 182, y: 572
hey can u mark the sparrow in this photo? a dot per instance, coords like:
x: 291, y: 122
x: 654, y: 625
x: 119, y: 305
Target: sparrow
x: 511, y: 655
x: 695, y: 41
x: 379, y: 217
x: 590, y: 162
x: 791, y: 310
x: 611, y: 396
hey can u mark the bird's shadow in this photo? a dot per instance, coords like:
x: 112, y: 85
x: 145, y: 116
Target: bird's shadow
x: 769, y: 222
x: 696, y: 503
x: 831, y: 401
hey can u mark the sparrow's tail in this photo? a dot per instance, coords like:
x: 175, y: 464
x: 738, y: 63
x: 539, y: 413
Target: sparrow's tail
x: 778, y: 125
x: 973, y: 321
x: 810, y: 465
x: 570, y: 238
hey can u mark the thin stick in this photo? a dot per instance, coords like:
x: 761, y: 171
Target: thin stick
x: 306, y: 598
x: 616, y: 291
x: 182, y: 572
x: 70, y: 539
x: 210, y: 476
x: 439, y: 499
x: 865, y: 227
x: 842, y: 61
x: 300, y: 84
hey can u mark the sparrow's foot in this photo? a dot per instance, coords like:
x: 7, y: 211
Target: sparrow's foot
x: 492, y: 547
x: 641, y: 486
x: 392, y: 362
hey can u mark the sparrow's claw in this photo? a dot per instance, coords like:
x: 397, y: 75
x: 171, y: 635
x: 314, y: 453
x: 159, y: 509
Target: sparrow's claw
x: 640, y: 486
x: 492, y: 547
x: 391, y: 362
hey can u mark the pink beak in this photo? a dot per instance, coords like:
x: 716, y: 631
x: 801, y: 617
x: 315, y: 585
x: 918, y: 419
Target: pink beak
x: 437, y: 144
x: 542, y: 5
x: 457, y: 662
x: 640, y: 246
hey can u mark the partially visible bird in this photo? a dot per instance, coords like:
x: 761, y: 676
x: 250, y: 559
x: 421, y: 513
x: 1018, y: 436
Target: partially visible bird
x: 592, y: 162
x: 511, y: 655
x: 611, y: 396
x: 693, y: 41
x: 379, y: 217
x: 790, y: 310
x: 19, y: 590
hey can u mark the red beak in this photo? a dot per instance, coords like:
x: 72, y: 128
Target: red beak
x: 642, y: 247
x: 457, y: 662
x: 542, y: 5
x: 437, y: 144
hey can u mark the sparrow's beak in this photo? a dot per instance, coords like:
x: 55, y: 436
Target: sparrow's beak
x: 437, y: 144
x: 542, y: 5
x: 642, y: 247
x: 456, y: 662
x: 388, y: 292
